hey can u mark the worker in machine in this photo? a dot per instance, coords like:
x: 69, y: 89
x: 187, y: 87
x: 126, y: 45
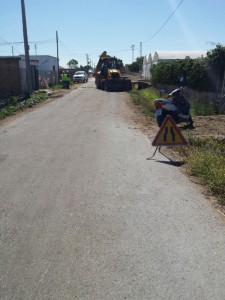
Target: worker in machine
x: 104, y: 68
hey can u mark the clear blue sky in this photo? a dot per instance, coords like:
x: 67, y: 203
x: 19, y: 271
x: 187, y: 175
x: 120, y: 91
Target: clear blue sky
x: 90, y: 27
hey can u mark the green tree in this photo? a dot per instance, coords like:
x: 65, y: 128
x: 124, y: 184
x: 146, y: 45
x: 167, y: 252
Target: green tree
x: 216, y: 61
x: 72, y: 64
x: 136, y: 65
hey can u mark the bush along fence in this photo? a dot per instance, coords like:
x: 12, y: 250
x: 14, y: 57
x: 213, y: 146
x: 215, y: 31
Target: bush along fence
x: 202, y: 103
x: 204, y: 75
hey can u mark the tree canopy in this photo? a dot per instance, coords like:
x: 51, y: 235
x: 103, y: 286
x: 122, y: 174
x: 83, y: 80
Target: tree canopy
x: 135, y: 66
x: 72, y: 64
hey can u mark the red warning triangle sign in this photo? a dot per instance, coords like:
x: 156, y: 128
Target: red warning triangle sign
x: 169, y: 134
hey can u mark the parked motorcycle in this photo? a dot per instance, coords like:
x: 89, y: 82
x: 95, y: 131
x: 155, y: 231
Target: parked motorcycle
x: 178, y: 108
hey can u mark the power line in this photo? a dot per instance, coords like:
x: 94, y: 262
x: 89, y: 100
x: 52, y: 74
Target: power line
x: 167, y: 20
x: 6, y: 43
x: 43, y: 42
x: 31, y: 42
x: 96, y: 53
x: 9, y: 43
x: 12, y: 45
x: 71, y: 52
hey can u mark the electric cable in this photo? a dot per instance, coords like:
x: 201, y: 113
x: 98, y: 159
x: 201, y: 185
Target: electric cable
x: 167, y: 20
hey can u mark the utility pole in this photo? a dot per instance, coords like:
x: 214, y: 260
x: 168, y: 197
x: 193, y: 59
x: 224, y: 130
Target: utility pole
x: 87, y: 57
x: 26, y: 49
x: 35, y: 47
x: 140, y: 66
x: 132, y: 48
x: 57, y: 47
x: 140, y: 49
x: 12, y: 52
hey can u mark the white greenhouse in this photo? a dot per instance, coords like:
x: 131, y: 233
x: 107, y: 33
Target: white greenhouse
x: 158, y: 56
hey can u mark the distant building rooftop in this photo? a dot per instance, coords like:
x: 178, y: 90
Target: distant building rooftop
x: 168, y: 55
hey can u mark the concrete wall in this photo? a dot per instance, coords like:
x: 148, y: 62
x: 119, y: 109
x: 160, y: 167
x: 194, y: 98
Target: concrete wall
x: 47, y: 67
x: 46, y: 63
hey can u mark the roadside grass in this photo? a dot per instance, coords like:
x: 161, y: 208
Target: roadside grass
x: 206, y: 161
x: 145, y: 99
x: 56, y: 86
x: 205, y: 156
x: 13, y: 106
x: 201, y: 109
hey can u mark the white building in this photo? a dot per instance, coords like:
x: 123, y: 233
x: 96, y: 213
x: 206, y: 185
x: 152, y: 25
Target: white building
x: 47, y: 67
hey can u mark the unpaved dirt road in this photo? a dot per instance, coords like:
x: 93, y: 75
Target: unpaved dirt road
x: 84, y: 215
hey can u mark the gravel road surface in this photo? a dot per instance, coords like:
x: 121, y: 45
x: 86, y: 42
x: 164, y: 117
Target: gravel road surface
x: 84, y: 215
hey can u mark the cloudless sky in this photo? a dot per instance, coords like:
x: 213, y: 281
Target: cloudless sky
x: 92, y: 26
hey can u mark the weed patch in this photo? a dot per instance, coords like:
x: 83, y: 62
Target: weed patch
x: 145, y: 98
x: 206, y: 161
x: 202, y: 109
x: 13, y: 106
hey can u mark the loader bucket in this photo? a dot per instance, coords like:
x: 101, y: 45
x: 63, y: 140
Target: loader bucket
x: 117, y: 85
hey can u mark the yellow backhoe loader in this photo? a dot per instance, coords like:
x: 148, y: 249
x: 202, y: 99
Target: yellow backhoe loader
x: 108, y: 75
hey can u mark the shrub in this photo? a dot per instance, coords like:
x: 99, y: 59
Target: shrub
x: 12, y: 101
x: 13, y: 106
x: 195, y: 72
